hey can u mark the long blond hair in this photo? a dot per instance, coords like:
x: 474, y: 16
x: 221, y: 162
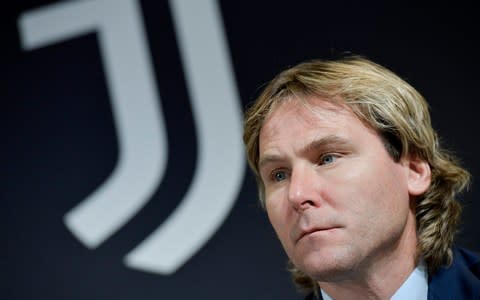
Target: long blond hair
x: 399, y: 114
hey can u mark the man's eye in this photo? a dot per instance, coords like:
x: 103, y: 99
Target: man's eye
x: 279, y: 175
x: 328, y: 159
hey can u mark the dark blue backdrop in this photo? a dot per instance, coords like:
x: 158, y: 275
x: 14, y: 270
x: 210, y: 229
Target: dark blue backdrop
x: 59, y: 141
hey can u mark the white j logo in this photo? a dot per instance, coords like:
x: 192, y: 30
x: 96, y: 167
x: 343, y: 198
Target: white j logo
x: 140, y: 127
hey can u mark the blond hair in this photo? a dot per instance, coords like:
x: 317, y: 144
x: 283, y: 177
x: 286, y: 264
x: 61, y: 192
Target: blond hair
x: 399, y: 114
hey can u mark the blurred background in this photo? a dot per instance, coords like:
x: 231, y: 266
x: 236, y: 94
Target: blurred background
x: 122, y: 168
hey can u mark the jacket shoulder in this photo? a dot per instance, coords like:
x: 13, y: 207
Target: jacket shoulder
x: 461, y: 280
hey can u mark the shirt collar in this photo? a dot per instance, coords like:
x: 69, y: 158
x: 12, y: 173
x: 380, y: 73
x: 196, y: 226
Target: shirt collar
x: 415, y: 287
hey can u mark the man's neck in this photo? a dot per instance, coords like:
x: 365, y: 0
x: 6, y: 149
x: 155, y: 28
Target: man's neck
x: 415, y: 287
x: 373, y: 288
x: 383, y: 274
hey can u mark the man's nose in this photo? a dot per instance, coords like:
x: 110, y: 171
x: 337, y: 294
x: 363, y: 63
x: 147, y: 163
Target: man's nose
x: 304, y: 188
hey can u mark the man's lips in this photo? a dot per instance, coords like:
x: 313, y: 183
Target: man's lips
x: 307, y: 232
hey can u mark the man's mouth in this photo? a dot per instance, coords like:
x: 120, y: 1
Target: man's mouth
x: 308, y: 232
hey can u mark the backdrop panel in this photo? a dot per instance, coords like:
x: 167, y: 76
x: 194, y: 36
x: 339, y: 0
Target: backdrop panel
x: 122, y: 168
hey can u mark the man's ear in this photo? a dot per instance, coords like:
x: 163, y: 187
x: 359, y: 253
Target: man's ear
x: 419, y: 175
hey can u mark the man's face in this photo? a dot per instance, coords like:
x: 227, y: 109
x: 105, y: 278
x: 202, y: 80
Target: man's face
x: 336, y: 199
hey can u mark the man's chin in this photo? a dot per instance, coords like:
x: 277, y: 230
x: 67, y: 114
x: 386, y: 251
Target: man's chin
x: 326, y: 265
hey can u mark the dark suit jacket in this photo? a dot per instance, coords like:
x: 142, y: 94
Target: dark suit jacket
x: 460, y: 281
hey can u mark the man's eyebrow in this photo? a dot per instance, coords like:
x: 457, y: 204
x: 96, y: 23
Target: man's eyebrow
x: 329, y: 140
x: 268, y: 159
x: 323, y: 142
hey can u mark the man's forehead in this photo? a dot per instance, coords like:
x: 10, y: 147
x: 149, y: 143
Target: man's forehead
x: 297, y: 126
x: 310, y: 112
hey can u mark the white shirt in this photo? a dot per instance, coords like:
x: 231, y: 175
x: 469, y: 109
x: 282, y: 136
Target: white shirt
x: 414, y: 288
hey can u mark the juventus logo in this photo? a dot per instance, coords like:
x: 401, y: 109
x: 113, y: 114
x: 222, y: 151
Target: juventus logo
x: 140, y: 126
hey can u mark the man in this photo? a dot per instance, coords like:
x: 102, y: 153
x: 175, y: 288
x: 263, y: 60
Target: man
x: 356, y: 186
